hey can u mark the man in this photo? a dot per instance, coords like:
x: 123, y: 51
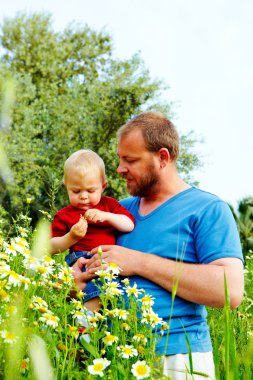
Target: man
x: 185, y: 241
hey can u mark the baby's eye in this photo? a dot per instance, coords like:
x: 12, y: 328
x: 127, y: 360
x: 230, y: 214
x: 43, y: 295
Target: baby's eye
x: 76, y: 191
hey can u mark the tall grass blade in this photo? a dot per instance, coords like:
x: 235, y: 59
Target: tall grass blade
x: 40, y: 360
x: 227, y: 329
x: 41, y: 238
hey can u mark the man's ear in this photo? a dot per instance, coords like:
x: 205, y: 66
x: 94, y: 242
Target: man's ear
x: 104, y: 185
x: 164, y: 157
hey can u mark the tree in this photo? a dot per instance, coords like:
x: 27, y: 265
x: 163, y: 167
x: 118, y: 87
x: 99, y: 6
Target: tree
x: 244, y: 220
x: 70, y: 94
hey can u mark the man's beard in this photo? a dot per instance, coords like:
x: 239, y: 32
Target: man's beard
x: 146, y: 185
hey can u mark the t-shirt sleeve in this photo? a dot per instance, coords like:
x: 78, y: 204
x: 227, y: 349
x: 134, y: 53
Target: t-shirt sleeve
x: 58, y: 226
x: 216, y: 234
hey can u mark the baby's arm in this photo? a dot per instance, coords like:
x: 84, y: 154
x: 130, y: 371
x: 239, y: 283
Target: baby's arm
x: 62, y: 243
x: 119, y: 221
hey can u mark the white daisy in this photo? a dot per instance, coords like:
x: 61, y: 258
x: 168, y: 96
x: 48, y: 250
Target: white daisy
x: 98, y: 367
x: 140, y: 370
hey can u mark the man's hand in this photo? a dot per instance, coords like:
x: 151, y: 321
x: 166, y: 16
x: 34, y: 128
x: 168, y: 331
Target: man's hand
x: 127, y: 259
x: 81, y: 278
x: 79, y: 229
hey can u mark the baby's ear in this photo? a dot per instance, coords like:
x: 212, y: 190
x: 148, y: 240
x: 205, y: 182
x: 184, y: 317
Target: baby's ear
x: 104, y: 185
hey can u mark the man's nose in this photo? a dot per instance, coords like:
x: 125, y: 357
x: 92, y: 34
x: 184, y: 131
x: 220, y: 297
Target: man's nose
x: 121, y: 168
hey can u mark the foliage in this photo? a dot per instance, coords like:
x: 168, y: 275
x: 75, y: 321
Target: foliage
x: 70, y: 93
x: 244, y: 220
x: 240, y: 330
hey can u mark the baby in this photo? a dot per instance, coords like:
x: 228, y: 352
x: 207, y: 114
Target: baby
x: 90, y: 219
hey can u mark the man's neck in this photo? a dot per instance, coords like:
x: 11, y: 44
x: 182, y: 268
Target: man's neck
x: 152, y: 201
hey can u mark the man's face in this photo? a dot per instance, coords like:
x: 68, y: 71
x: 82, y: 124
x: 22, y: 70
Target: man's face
x: 137, y: 165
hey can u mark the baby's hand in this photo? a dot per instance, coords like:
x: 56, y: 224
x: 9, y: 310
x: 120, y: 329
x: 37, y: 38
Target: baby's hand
x: 95, y: 215
x: 79, y: 229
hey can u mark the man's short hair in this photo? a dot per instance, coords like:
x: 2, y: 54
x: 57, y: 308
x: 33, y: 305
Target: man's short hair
x: 158, y: 132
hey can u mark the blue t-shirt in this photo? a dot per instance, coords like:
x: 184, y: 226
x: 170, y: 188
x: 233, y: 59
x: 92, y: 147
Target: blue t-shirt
x: 195, y: 227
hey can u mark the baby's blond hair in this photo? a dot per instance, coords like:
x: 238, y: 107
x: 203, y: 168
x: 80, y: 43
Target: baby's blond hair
x: 82, y: 162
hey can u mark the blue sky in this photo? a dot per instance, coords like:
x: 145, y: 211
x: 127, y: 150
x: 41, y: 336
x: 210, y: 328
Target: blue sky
x: 203, y: 50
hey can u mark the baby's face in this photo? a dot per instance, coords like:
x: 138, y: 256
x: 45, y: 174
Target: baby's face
x: 85, y: 192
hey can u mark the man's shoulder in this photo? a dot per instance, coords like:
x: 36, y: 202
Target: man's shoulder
x: 204, y: 196
x: 203, y: 202
x: 129, y: 201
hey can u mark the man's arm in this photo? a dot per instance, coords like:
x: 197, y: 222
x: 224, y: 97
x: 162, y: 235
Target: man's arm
x: 198, y: 283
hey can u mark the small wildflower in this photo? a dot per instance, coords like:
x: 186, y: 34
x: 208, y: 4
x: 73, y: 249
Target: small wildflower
x: 30, y: 263
x: 44, y: 270
x: 92, y: 319
x: 164, y: 327
x: 126, y: 281
x: 4, y: 269
x: 4, y: 296
x: 140, y: 338
x: 151, y: 318
x: 127, y: 351
x: 123, y: 314
x: 141, y: 350
x: 147, y: 300
x: 24, y: 365
x: 48, y: 260
x: 54, y: 285
x: 11, y: 310
x: 25, y: 281
x: 14, y: 278
x: 73, y: 331
x: 113, y: 289
x: 133, y: 291
x: 101, y: 273
x: 78, y: 304
x: 125, y: 326
x: 3, y: 256
x: 8, y: 337
x: 140, y: 370
x: 113, y: 268
x: 42, y: 309
x: 10, y: 249
x: 61, y: 347
x: 22, y: 231
x: 50, y: 319
x: 98, y: 366
x: 25, y: 217
x: 109, y: 339
x: 20, y: 244
x: 65, y: 275
x: 99, y: 316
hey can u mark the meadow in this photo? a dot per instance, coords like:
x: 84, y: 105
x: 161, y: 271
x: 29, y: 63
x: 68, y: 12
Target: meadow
x: 46, y: 333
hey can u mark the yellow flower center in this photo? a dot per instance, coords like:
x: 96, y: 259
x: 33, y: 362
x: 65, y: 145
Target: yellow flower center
x: 141, y: 370
x: 98, y: 367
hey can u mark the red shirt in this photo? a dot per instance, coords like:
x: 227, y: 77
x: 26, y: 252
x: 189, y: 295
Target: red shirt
x: 97, y: 233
